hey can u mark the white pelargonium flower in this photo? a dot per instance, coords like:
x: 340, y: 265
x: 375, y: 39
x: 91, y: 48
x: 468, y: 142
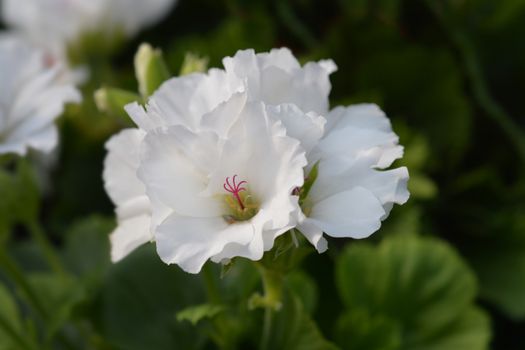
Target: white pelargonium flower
x: 211, y: 196
x: 350, y: 194
x: 56, y: 23
x: 32, y: 95
x: 199, y: 138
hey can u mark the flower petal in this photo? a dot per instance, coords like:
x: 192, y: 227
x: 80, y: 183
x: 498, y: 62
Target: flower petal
x: 129, y: 235
x: 308, y: 128
x: 120, y: 167
x: 355, y: 213
x: 174, y: 168
x: 190, y: 241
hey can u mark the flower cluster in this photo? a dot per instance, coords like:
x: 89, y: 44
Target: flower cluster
x: 223, y: 163
x: 63, y: 27
x: 33, y: 96
x: 56, y: 23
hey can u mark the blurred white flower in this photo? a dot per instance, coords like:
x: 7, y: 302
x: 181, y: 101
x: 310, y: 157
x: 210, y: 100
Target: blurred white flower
x: 54, y: 24
x: 351, y: 195
x: 32, y: 95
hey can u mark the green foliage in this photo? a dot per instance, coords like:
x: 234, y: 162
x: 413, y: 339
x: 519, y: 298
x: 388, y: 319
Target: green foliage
x: 11, y: 328
x: 20, y: 195
x: 150, y: 69
x: 294, y: 329
x: 449, y: 74
x: 112, y: 100
x: 194, y: 314
x: 142, y: 286
x: 86, y: 250
x: 417, y: 290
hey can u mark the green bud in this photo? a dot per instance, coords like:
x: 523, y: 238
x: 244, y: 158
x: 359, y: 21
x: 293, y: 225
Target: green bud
x: 193, y: 64
x: 112, y: 100
x: 150, y: 69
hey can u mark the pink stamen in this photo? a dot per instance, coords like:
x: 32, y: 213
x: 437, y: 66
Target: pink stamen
x: 234, y: 189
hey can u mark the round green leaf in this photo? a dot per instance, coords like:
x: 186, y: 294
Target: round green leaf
x: 140, y: 298
x: 419, y: 283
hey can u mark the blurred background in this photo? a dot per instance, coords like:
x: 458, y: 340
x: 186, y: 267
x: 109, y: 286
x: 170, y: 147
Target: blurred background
x: 446, y: 270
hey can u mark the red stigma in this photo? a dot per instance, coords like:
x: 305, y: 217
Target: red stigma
x: 234, y: 188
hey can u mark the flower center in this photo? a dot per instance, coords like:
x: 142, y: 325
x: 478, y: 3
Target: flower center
x: 235, y: 189
x: 240, y: 204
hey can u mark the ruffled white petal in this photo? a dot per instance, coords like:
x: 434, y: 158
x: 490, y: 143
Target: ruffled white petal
x: 185, y: 100
x: 190, y: 241
x: 133, y: 207
x: 307, y: 128
x: 276, y: 77
x: 351, y: 195
x: 174, y: 167
x: 355, y: 130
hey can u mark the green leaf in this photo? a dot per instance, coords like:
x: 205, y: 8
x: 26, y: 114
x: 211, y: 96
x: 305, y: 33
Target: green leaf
x: 19, y: 195
x: 193, y: 63
x: 139, y: 299
x: 421, y: 186
x: 86, y: 252
x: 309, y: 182
x: 357, y: 330
x: 11, y: 331
x: 421, y: 284
x: 194, y: 314
x: 112, y: 101
x: 293, y: 329
x: 150, y: 69
x: 469, y: 331
x: 501, y: 285
x: 59, y: 295
x: 305, y: 289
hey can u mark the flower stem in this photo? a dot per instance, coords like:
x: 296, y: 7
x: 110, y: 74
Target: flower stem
x: 267, y: 328
x: 14, y: 335
x: 17, y: 276
x: 272, y: 300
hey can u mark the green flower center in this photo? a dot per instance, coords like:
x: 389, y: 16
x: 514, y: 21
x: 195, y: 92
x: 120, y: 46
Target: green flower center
x: 240, y: 204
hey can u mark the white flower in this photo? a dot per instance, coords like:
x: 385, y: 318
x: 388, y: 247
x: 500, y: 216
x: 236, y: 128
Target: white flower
x: 180, y: 101
x: 32, y: 96
x: 351, y: 195
x: 276, y: 77
x: 211, y: 197
x: 56, y: 23
x: 184, y: 134
x: 185, y: 101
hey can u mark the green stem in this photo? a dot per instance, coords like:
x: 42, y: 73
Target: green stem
x: 267, y: 328
x: 477, y: 81
x: 272, y: 300
x: 17, y: 276
x: 9, y: 330
x: 47, y: 249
